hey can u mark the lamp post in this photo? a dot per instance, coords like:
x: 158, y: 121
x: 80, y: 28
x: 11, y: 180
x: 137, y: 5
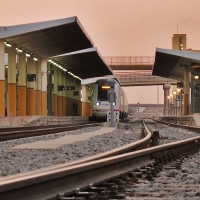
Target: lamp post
x: 171, y: 108
x: 179, y: 92
x: 112, y: 107
x: 175, y: 103
x: 168, y: 108
x: 194, y: 90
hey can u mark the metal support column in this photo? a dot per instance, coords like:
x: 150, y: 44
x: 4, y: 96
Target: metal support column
x: 49, y: 92
x: 112, y: 107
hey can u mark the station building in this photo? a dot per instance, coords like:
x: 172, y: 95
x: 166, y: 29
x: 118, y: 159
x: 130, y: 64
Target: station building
x: 183, y: 65
x: 41, y: 68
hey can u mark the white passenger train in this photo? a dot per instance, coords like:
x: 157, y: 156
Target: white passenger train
x: 101, y: 104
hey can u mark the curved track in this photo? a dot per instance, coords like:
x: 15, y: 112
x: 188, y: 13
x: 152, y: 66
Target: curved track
x: 65, y: 179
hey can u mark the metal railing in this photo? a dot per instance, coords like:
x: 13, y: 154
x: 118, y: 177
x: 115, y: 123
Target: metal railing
x: 129, y: 60
x: 140, y: 76
x: 134, y: 74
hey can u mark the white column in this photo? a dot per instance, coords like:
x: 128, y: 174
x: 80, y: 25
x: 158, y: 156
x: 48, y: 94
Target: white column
x: 2, y: 78
x: 166, y: 88
x: 30, y: 94
x: 12, y: 81
x: 44, y: 86
x: 55, y: 90
x: 186, y: 91
x: 22, y: 84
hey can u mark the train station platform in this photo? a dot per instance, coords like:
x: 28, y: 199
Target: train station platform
x: 68, y: 139
x: 190, y: 120
x: 39, y: 120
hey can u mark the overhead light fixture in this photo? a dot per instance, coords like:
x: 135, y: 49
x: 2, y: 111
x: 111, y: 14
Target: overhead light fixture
x: 28, y: 55
x: 35, y: 59
x: 7, y: 44
x: 196, y: 77
x: 57, y: 65
x: 19, y: 50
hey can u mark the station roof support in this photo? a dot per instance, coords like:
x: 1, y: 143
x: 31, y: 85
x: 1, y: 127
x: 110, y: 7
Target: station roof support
x: 85, y: 63
x: 49, y: 38
x: 170, y: 63
x: 59, y: 37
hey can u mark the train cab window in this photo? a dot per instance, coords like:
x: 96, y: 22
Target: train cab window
x: 102, y: 94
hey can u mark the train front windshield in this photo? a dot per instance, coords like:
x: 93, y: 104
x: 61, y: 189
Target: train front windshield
x: 102, y: 94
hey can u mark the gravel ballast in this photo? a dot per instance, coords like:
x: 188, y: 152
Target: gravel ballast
x: 15, y: 161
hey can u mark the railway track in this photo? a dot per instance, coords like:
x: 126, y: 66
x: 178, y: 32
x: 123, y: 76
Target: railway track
x: 29, y: 131
x: 101, y: 177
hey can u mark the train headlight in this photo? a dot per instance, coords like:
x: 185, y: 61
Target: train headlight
x: 97, y: 103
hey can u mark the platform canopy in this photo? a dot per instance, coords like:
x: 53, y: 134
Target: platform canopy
x: 87, y: 63
x: 170, y: 63
x: 95, y: 79
x: 49, y: 38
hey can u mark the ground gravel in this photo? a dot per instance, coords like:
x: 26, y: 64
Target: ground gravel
x: 22, y: 160
x: 170, y: 134
x: 181, y: 184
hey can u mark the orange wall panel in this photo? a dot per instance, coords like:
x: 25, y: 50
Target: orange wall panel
x: 79, y: 108
x: 86, y: 109
x: 39, y: 102
x: 21, y: 100
x: 59, y: 103
x: 44, y: 103
x: 66, y: 111
x: 30, y: 104
x: 55, y: 105
x: 68, y: 106
x: 12, y: 99
x: 63, y: 106
x: 2, y: 98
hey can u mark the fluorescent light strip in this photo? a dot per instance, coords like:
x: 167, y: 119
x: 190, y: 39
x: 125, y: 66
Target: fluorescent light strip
x: 7, y: 44
x: 57, y: 65
x: 74, y: 76
x: 19, y: 50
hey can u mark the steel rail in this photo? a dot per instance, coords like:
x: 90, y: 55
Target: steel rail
x: 20, y: 128
x: 191, y: 128
x: 37, y: 132
x: 140, y: 144
x: 47, y: 184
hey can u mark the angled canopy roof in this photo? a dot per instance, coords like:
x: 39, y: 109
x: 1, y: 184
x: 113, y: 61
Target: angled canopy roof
x: 86, y: 63
x: 93, y: 80
x: 169, y: 63
x: 50, y: 38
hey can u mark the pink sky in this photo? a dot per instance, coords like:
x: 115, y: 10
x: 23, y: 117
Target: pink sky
x: 117, y: 27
